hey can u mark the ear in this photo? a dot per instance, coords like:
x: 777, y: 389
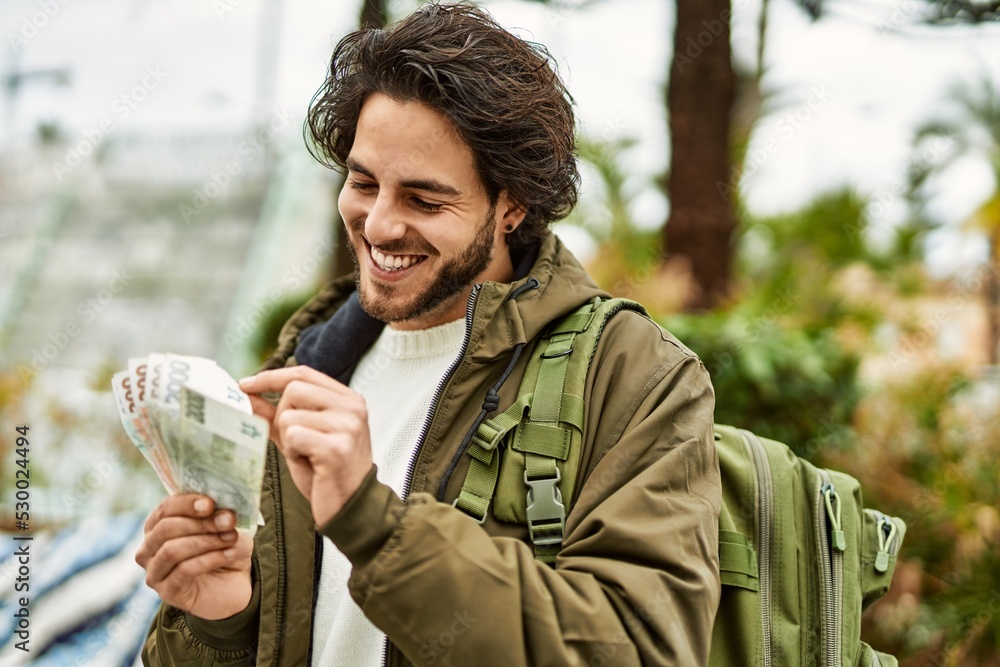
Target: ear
x: 509, y: 214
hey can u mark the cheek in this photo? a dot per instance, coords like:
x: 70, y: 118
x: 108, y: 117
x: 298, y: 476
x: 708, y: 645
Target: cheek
x: 349, y: 204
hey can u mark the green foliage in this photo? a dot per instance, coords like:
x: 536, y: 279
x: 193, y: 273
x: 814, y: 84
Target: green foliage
x: 803, y: 250
x: 927, y: 449
x: 778, y: 380
x: 831, y: 229
x: 267, y: 339
x: 610, y: 222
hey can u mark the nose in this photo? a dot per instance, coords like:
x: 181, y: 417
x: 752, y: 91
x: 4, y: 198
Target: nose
x: 384, y: 221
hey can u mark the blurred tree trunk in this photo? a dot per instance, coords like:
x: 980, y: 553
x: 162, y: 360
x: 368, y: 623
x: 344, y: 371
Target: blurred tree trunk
x: 699, y: 98
x: 375, y: 14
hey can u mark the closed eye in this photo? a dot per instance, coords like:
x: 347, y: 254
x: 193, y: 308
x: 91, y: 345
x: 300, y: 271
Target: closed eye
x: 362, y: 186
x: 369, y: 187
x: 425, y: 205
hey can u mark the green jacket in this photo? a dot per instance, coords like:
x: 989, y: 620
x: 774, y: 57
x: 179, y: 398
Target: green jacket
x: 637, y: 580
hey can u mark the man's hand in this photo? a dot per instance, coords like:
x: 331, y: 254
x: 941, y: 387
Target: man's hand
x: 321, y: 426
x: 194, y: 559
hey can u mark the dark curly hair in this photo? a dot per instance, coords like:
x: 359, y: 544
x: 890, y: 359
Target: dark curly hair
x: 502, y: 94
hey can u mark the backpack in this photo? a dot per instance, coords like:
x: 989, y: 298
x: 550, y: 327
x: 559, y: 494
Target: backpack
x: 800, y: 557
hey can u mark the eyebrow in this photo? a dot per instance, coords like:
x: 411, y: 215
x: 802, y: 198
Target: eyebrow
x: 425, y: 184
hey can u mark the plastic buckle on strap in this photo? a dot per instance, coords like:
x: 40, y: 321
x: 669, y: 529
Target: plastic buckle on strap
x: 488, y: 436
x: 480, y: 520
x: 546, y: 512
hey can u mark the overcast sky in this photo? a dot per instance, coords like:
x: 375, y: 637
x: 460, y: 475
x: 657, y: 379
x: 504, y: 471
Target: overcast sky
x: 856, y: 82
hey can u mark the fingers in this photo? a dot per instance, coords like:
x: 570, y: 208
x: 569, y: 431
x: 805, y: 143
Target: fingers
x: 176, y: 551
x: 187, y: 504
x: 179, y: 578
x: 262, y: 407
x: 175, y: 578
x: 303, y: 442
x: 278, y: 380
x: 174, y: 527
x: 323, y: 422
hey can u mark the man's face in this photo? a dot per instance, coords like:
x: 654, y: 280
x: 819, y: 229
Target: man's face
x: 422, y: 230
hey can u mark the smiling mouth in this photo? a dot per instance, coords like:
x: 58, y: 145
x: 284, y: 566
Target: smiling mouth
x: 391, y: 263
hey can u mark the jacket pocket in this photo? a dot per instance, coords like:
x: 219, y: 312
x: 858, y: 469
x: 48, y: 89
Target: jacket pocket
x: 882, y: 536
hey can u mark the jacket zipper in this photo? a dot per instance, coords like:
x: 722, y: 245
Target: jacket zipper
x: 469, y: 308
x: 831, y: 557
x: 765, y: 513
x: 412, y: 464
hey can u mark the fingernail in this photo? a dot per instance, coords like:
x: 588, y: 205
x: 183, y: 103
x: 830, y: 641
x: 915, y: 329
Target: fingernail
x: 229, y: 553
x: 201, y: 506
x: 228, y: 537
x: 224, y: 520
x: 247, y: 380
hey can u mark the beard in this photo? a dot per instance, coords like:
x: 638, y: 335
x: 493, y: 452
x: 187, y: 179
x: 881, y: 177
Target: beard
x: 453, y: 278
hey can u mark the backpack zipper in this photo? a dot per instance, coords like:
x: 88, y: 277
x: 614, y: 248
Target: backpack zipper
x: 765, y: 512
x: 831, y: 555
x: 888, y: 540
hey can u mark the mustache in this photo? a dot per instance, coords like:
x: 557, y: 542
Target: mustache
x: 399, y: 247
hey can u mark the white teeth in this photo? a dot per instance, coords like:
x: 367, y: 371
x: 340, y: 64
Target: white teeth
x: 394, y: 262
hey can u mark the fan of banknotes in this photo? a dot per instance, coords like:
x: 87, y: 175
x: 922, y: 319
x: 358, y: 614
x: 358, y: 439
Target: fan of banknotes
x: 195, y: 426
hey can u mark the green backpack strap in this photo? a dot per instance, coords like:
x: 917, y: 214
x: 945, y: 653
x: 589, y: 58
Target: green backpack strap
x: 545, y: 424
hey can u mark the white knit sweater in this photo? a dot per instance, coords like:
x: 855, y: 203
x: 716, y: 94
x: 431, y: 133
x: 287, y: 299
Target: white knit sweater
x: 397, y: 377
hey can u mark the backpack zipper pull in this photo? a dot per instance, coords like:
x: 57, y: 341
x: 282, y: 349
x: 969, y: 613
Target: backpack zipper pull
x: 886, y: 534
x: 837, y: 536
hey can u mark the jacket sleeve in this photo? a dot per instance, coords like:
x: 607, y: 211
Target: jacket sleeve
x: 637, y: 580
x: 178, y: 638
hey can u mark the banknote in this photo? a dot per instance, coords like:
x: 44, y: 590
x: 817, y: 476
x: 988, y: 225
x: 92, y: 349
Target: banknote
x: 137, y: 373
x: 215, y: 383
x: 121, y: 385
x: 196, y: 428
x: 137, y: 370
x: 163, y: 406
x: 224, y: 451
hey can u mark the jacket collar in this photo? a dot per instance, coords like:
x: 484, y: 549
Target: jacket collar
x: 331, y: 332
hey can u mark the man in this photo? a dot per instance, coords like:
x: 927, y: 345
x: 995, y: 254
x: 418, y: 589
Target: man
x: 457, y: 138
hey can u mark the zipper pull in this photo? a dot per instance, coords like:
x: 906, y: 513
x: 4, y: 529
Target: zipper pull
x: 837, y: 536
x: 886, y: 534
